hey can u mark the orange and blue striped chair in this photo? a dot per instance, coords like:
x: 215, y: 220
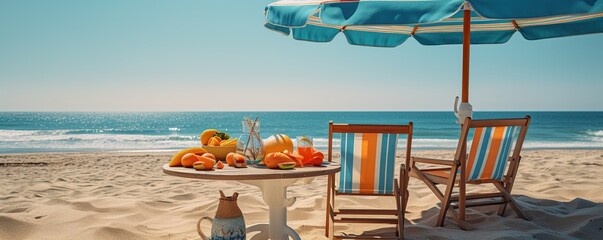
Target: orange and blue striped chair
x: 493, y: 157
x: 368, y: 163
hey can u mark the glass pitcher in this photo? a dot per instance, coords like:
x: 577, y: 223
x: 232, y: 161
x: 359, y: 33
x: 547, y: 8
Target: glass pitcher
x: 305, y: 148
x: 250, y: 144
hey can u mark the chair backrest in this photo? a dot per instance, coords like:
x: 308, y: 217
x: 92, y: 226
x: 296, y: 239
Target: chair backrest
x: 489, y: 152
x: 368, y: 156
x: 491, y: 145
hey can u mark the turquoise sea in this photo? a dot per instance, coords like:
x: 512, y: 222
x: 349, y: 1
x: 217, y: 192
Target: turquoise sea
x: 158, y: 131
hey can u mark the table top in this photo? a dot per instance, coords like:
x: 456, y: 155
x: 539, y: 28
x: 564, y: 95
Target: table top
x: 252, y: 172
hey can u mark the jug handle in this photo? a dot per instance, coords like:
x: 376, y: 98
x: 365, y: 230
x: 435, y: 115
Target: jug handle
x: 203, y: 237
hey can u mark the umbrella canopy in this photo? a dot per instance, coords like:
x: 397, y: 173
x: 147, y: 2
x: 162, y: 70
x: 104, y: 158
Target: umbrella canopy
x: 388, y: 23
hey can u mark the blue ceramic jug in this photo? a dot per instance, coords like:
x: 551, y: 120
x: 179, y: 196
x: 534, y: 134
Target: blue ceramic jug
x: 228, y: 224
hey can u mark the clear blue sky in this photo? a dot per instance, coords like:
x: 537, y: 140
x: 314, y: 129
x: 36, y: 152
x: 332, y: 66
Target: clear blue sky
x: 212, y: 55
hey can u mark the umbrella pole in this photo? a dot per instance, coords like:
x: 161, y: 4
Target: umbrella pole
x: 465, y: 99
x: 466, y: 47
x: 465, y: 109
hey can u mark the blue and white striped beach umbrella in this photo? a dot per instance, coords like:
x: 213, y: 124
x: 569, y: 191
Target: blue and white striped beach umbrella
x: 388, y: 23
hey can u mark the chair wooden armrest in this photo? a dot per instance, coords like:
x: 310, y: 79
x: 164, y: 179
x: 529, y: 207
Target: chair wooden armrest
x: 435, y: 161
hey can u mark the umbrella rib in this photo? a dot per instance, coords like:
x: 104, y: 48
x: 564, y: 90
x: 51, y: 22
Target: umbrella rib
x: 414, y: 30
x: 515, y: 24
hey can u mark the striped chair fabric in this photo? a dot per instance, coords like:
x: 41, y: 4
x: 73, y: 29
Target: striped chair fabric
x: 367, y: 163
x: 489, y: 152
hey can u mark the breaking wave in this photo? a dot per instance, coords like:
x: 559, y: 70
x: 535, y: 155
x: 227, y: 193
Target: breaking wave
x: 113, y: 140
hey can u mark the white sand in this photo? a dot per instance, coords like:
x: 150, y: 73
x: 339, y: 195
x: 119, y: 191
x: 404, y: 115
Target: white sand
x: 127, y: 196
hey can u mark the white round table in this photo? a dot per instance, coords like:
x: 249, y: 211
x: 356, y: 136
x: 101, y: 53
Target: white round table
x: 272, y: 182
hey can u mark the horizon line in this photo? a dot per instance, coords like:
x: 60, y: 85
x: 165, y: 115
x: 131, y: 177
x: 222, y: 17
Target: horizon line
x: 234, y: 111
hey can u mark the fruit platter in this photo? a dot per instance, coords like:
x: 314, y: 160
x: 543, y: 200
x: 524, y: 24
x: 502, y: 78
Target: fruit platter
x: 218, y: 152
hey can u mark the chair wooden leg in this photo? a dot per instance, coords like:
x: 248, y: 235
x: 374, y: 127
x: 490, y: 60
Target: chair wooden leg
x: 400, y: 196
x: 462, y: 195
x: 443, y: 210
x: 404, y: 178
x: 511, y: 201
x: 330, y: 205
x: 462, y: 187
x: 327, y: 212
x: 501, y: 209
x: 406, y: 193
x: 327, y: 222
x: 399, y: 203
x: 331, y: 217
x: 461, y: 224
x: 404, y: 199
x: 445, y: 204
x: 331, y: 228
x: 517, y: 209
x: 447, y: 195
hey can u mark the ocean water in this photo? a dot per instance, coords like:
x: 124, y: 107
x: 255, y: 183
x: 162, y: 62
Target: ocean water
x: 159, y: 131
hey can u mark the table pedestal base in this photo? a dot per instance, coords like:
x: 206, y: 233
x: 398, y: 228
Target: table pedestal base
x: 274, y: 192
x: 263, y: 229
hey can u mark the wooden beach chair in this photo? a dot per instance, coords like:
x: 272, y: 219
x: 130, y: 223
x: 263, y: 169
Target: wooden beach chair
x: 486, y: 163
x: 367, y: 169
